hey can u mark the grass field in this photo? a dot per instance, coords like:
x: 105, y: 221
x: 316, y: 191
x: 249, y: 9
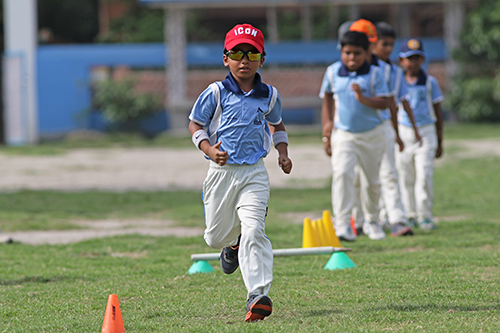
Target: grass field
x: 444, y: 281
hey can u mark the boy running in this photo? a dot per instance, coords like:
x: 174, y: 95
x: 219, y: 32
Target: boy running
x: 229, y: 123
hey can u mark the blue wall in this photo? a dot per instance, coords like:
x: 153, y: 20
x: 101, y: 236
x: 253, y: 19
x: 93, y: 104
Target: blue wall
x: 64, y: 70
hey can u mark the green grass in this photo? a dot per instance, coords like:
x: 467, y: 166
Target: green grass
x: 443, y: 281
x: 471, y: 131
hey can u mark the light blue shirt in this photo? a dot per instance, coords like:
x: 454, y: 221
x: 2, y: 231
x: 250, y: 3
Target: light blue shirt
x: 243, y: 130
x: 351, y: 115
x: 386, y: 73
x: 399, y: 90
x: 423, y: 94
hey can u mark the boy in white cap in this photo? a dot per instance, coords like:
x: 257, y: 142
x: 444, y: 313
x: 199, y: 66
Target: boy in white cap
x: 233, y: 122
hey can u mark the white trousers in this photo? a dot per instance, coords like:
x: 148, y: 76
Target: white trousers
x: 235, y: 199
x: 390, y: 199
x: 416, y: 171
x: 350, y: 149
x: 391, y: 206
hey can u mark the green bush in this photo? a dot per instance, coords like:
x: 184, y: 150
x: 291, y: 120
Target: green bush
x: 475, y: 95
x: 119, y: 102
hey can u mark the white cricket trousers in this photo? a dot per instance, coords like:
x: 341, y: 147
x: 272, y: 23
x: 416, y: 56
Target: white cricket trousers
x: 235, y: 199
x: 390, y: 199
x: 350, y: 149
x: 416, y: 171
x: 391, y: 206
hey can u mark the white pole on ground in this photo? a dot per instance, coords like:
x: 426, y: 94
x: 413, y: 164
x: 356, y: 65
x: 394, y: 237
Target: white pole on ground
x: 280, y: 252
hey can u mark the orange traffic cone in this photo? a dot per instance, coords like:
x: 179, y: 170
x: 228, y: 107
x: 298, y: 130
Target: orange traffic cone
x: 113, y: 322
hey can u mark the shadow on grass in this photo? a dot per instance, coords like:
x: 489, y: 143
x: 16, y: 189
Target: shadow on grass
x: 34, y: 279
x: 321, y: 313
x: 427, y: 307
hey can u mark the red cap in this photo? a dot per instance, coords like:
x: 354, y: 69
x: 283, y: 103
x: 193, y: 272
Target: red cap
x: 367, y: 28
x: 244, y: 34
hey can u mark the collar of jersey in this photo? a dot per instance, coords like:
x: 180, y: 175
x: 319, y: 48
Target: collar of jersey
x: 260, y: 89
x: 365, y: 69
x: 375, y: 60
x: 422, y: 79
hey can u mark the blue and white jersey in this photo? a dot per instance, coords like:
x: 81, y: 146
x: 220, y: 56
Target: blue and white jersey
x: 400, y: 89
x: 351, y: 115
x: 241, y: 126
x: 423, y: 94
x: 396, y: 82
x: 386, y: 72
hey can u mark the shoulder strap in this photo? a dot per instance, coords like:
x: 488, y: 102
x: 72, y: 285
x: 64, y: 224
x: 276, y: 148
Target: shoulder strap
x: 397, y: 85
x: 430, y: 105
x: 274, y: 97
x: 330, y: 76
x: 387, y: 73
x: 217, y: 116
x: 372, y: 80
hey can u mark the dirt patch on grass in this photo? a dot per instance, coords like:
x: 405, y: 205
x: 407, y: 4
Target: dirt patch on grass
x: 98, y: 229
x: 147, y: 169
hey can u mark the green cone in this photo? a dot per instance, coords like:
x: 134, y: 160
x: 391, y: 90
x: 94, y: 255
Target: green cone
x: 339, y: 260
x: 201, y: 266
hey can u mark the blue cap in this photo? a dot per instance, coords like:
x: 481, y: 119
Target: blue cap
x: 411, y: 47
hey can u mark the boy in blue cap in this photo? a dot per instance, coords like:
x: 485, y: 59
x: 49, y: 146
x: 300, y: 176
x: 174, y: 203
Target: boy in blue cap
x: 233, y: 122
x: 353, y: 92
x: 416, y: 162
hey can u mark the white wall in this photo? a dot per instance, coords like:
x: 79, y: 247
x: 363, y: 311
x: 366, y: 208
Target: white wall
x: 20, y: 85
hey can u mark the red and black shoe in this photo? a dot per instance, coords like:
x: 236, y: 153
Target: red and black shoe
x: 229, y: 258
x: 258, y: 308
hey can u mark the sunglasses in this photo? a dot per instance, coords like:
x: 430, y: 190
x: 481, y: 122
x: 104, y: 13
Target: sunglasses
x: 238, y: 55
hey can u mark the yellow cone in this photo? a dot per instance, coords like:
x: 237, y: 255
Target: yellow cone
x: 315, y: 228
x: 309, y: 237
x: 327, y: 221
x: 323, y: 234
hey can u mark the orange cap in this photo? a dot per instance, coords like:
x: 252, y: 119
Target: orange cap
x: 367, y: 28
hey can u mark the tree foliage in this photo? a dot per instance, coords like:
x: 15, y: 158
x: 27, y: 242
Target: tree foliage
x: 141, y: 24
x: 475, y: 95
x: 120, y: 102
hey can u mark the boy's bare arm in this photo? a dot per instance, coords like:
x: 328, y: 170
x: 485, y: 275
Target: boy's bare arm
x: 394, y: 119
x: 219, y: 157
x: 327, y: 116
x: 409, y: 111
x: 439, y: 129
x: 373, y: 102
x: 284, y: 161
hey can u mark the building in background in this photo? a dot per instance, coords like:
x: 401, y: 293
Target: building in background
x: 300, y: 39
